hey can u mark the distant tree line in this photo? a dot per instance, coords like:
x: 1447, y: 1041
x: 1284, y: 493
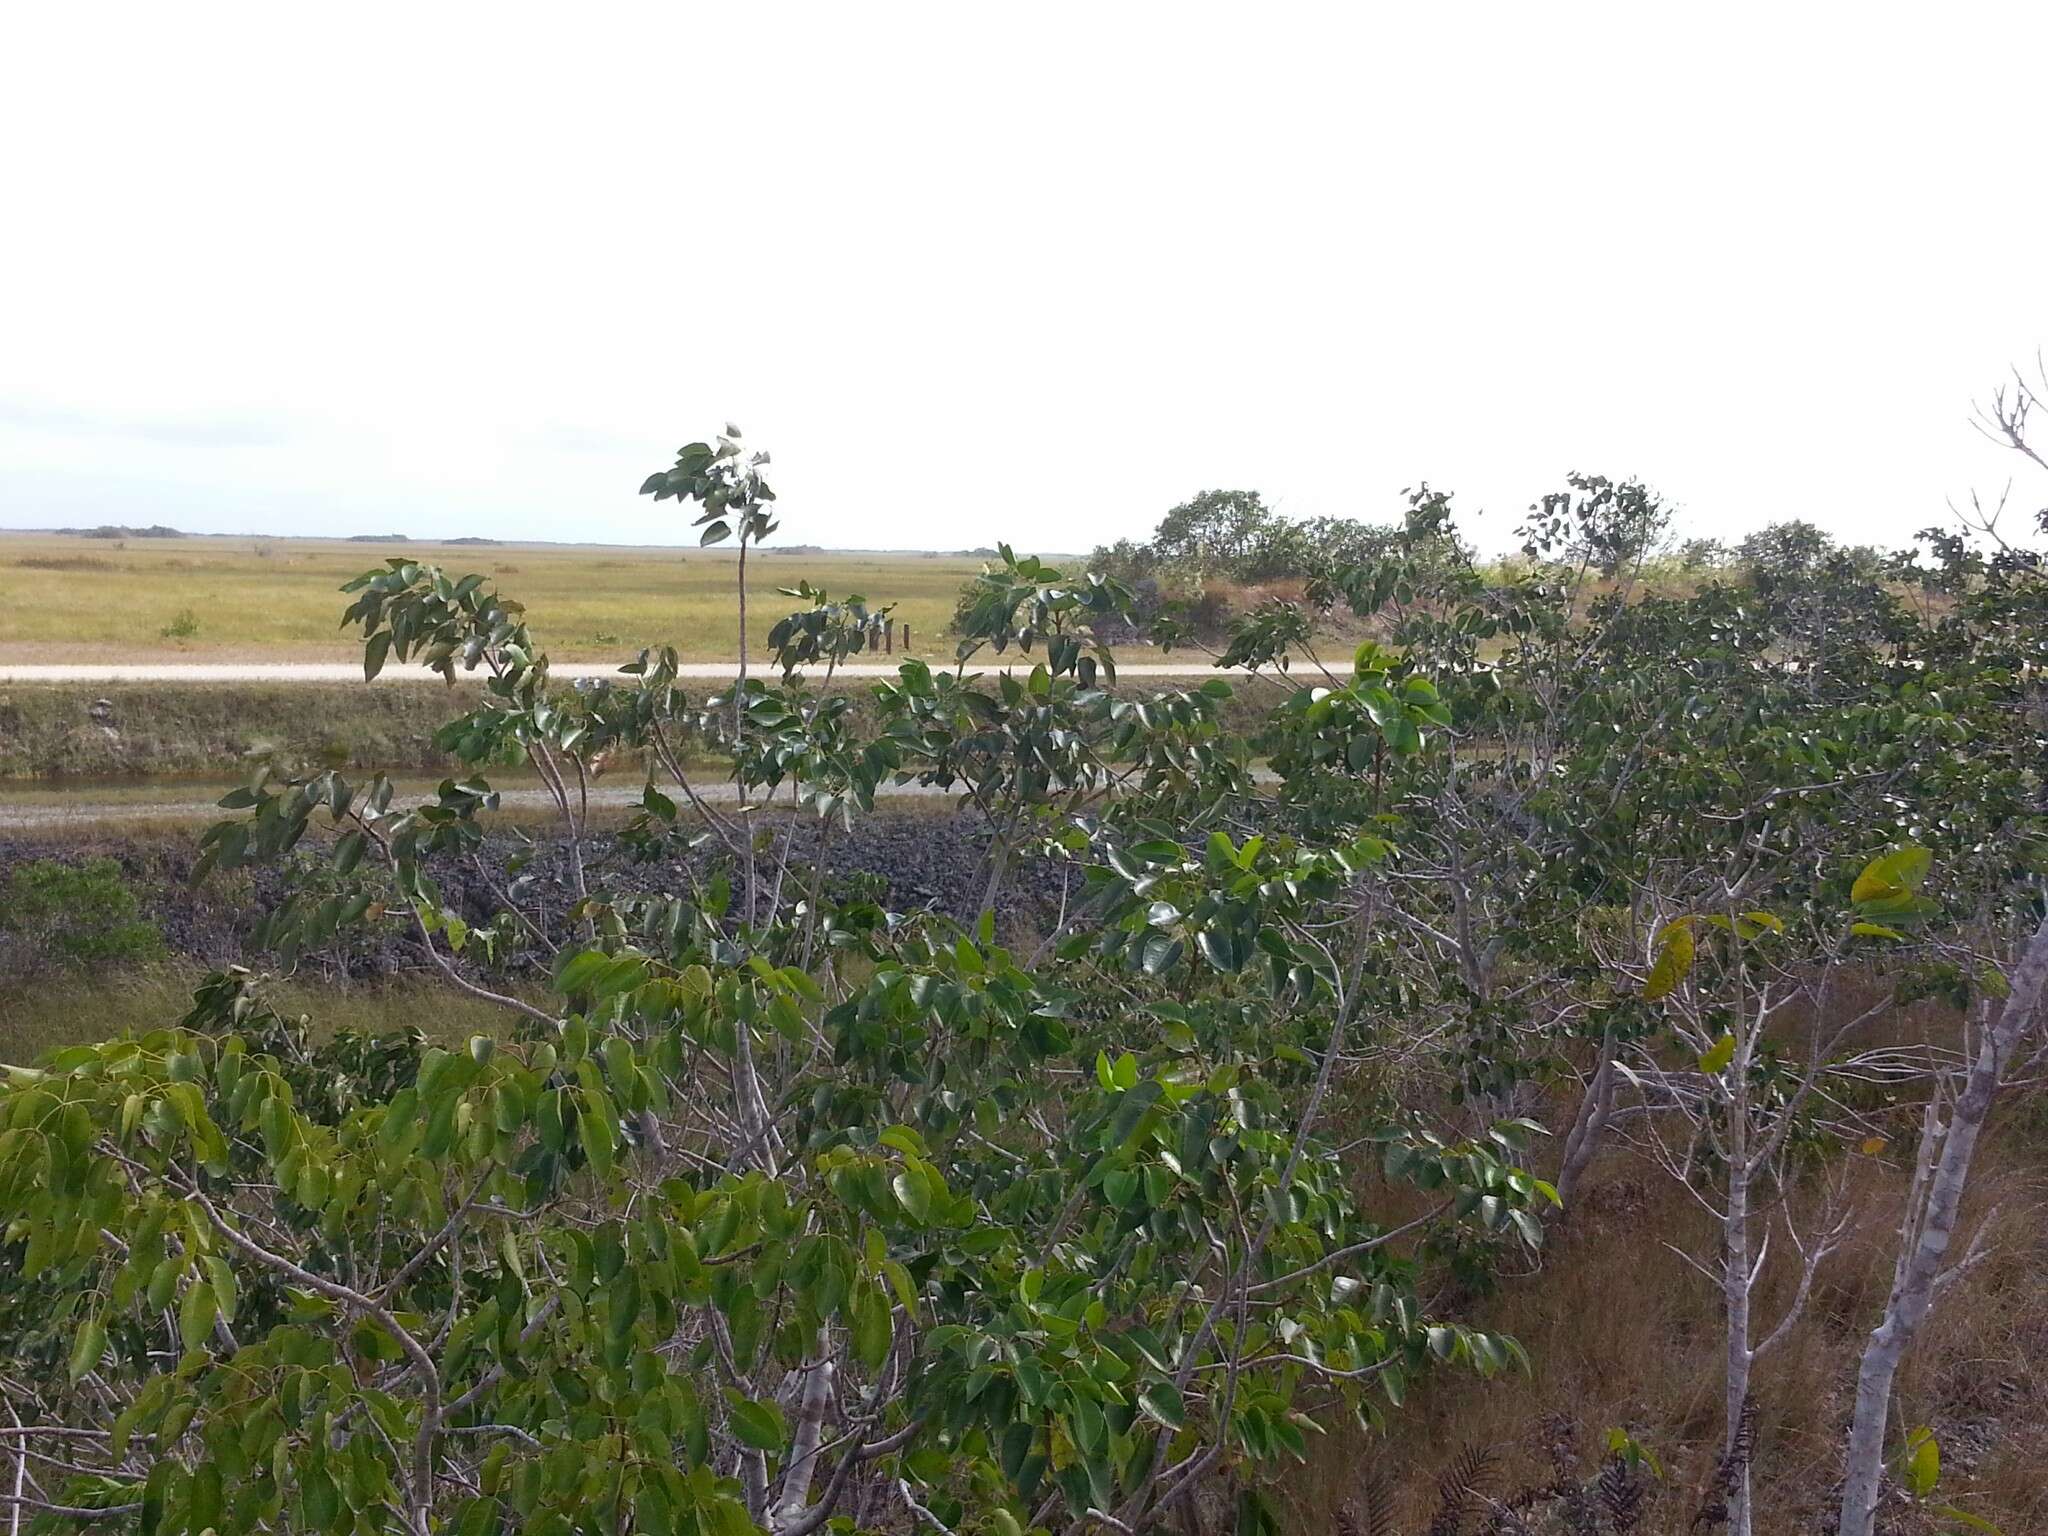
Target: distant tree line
x: 1221, y: 553
x: 122, y: 531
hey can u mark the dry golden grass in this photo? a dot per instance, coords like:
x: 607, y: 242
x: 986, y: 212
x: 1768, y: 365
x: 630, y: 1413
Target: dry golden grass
x: 76, y: 599
x: 1622, y: 1332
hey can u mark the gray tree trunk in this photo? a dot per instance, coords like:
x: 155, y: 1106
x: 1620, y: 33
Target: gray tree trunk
x: 1735, y: 1284
x: 1589, y: 1126
x: 1944, y: 1163
x: 803, y: 1460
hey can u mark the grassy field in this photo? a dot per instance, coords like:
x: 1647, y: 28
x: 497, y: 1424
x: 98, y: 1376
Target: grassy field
x: 67, y: 598
x: 66, y: 1010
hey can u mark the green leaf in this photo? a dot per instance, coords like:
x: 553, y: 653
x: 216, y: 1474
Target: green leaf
x: 1923, y: 1462
x: 90, y: 1345
x: 196, y: 1314
x: 1130, y: 1110
x: 904, y: 1139
x: 913, y: 1194
x: 594, y: 1129
x: 1016, y: 1445
x: 871, y: 1331
x: 1217, y: 949
x: 758, y: 1424
x: 1718, y: 1058
x: 225, y: 1291
x: 1160, y: 953
x: 1162, y: 1401
x: 580, y: 970
x: 901, y: 1283
x: 1086, y: 1424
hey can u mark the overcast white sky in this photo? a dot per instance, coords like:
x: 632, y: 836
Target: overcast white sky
x: 1034, y: 272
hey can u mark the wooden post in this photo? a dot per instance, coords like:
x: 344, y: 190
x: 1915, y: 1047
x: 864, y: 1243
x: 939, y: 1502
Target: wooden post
x: 906, y: 635
x: 889, y: 636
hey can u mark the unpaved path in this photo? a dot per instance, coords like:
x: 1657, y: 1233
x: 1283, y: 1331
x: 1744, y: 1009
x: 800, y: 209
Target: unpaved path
x: 88, y: 806
x: 42, y: 809
x: 352, y: 672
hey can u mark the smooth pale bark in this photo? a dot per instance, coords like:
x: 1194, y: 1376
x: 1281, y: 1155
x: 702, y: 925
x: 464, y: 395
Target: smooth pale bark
x: 1944, y: 1159
x: 1736, y: 1280
x: 803, y: 1458
x: 1588, y: 1127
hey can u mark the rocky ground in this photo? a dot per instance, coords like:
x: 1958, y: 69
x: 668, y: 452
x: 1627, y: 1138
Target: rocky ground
x: 922, y: 860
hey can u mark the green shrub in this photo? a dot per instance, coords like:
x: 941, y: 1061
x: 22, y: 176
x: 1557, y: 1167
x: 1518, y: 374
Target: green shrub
x: 78, y: 915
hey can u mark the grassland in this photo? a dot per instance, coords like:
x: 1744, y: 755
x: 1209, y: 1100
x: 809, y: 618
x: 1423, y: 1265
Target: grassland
x: 68, y: 598
x: 52, y: 1012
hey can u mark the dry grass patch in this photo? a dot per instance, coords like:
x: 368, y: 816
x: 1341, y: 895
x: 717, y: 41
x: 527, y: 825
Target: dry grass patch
x: 280, y: 601
x: 1622, y: 1332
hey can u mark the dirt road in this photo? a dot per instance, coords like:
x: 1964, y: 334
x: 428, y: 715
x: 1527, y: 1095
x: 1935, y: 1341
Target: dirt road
x: 344, y: 672
x: 43, y: 809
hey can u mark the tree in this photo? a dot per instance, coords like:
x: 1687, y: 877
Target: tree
x: 771, y: 1206
x: 1234, y: 534
x: 1605, y: 525
x: 1215, y: 532
x: 1953, y: 1122
x: 2003, y: 617
x: 767, y: 1207
x: 1748, y: 1105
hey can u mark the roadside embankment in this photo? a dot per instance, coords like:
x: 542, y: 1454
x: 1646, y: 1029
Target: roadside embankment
x: 129, y: 730
x: 126, y: 730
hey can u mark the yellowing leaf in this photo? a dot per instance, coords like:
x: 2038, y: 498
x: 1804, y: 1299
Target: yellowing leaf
x: 1898, y: 873
x: 1718, y: 1058
x: 1673, y: 960
x: 1923, y: 1462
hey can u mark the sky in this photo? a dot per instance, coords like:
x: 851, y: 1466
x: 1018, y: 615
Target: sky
x: 1033, y: 273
